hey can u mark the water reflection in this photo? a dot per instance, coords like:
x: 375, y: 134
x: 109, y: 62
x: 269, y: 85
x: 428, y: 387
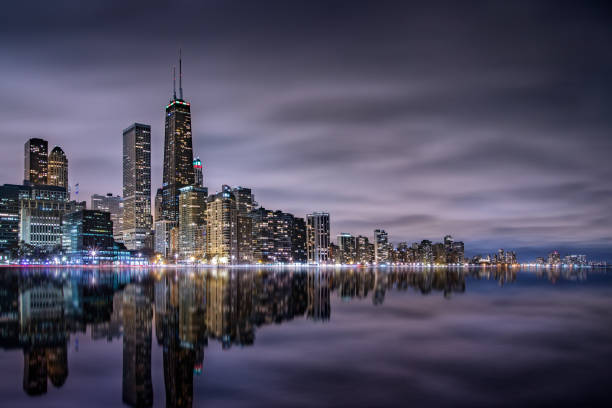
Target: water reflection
x: 42, y: 308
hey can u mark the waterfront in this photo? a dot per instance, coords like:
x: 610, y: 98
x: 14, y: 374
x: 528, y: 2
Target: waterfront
x: 304, y: 337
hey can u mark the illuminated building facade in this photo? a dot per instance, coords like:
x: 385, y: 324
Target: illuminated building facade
x: 222, y: 227
x: 317, y: 237
x: 40, y: 212
x: 347, y: 246
x: 36, y: 161
x: 178, y: 169
x: 58, y: 168
x: 137, y: 220
x: 198, y: 172
x: 381, y: 247
x: 192, y: 223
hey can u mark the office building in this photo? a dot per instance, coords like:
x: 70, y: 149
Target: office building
x: 317, y: 237
x: 347, y: 245
x: 137, y: 220
x: 178, y: 152
x: 364, y: 250
x: 9, y: 216
x: 273, y: 232
x: 113, y: 205
x: 36, y: 161
x: 41, y: 208
x: 58, y: 168
x: 245, y: 203
x: 222, y: 227
x: 425, y: 252
x: 382, y: 253
x: 192, y: 224
x: 298, y: 241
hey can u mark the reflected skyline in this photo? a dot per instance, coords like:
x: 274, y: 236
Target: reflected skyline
x: 45, y: 310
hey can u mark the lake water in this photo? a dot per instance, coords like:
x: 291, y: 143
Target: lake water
x: 274, y: 337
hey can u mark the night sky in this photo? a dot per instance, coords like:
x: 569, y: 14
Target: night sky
x: 491, y: 121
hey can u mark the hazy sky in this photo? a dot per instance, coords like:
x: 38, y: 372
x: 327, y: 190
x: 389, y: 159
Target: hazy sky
x: 487, y: 120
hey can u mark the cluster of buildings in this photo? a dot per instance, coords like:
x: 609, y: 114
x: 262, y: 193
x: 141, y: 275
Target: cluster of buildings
x: 555, y: 259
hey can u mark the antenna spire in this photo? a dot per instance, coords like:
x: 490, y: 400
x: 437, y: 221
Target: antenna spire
x: 174, y: 81
x: 180, y: 74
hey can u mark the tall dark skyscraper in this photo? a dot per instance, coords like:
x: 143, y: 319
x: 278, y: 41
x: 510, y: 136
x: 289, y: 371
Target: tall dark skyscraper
x: 137, y: 220
x: 178, y: 151
x: 36, y: 161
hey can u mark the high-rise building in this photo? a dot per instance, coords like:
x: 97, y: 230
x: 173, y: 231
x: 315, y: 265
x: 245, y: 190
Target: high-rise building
x: 178, y: 151
x: 36, y: 161
x: 245, y: 203
x: 137, y: 221
x: 425, y: 251
x: 222, y: 227
x: 9, y: 216
x: 192, y: 223
x: 364, y: 250
x: 273, y: 232
x: 298, y: 241
x: 347, y: 246
x: 58, y: 168
x: 317, y: 237
x: 554, y: 258
x: 198, y: 172
x: 113, y: 205
x: 381, y: 247
x: 163, y: 235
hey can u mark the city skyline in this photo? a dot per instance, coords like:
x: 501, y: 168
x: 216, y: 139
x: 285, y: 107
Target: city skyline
x: 526, y: 168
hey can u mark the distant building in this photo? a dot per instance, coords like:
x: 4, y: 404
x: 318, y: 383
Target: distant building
x: 58, y: 168
x: 137, y: 220
x: 425, y: 252
x: 36, y: 161
x: 554, y: 258
x: 114, y: 206
x: 347, y: 245
x: 9, y: 216
x: 298, y: 241
x: 364, y: 250
x: 578, y: 260
x: 381, y: 247
x: 222, y: 227
x: 198, y: 172
x: 192, y: 223
x: 317, y: 237
x: 245, y: 203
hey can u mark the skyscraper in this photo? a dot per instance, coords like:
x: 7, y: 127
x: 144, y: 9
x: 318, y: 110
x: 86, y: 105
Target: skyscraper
x: 317, y: 232
x: 222, y: 227
x: 192, y: 225
x: 178, y: 151
x: 36, y: 161
x: 198, y: 172
x: 137, y: 219
x: 348, y: 248
x: 245, y: 203
x: 381, y: 247
x: 58, y: 168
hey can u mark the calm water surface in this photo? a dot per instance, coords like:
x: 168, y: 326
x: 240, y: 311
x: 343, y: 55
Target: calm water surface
x: 274, y: 338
